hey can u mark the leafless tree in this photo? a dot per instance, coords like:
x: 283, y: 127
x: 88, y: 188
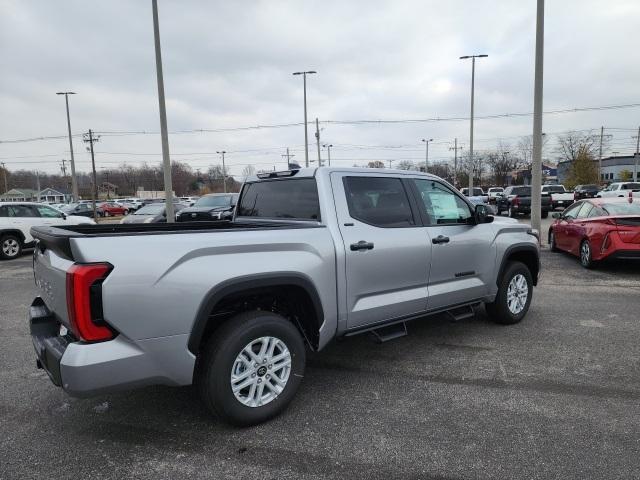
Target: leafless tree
x: 573, y: 144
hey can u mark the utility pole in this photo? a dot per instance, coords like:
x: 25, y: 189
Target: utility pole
x: 390, y: 162
x: 166, y: 160
x: 38, y: 185
x: 4, y: 172
x: 90, y: 139
x: 328, y: 147
x: 473, y: 80
x: 288, y: 156
x: 74, y: 180
x: 600, y: 155
x: 636, y: 156
x: 63, y: 168
x: 426, y: 157
x: 224, y: 171
x: 536, y: 166
x: 455, y: 149
x: 306, y: 138
x: 318, y: 142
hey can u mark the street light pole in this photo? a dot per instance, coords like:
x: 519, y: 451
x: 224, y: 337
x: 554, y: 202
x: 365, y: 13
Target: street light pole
x: 426, y: 156
x: 166, y: 160
x: 536, y: 166
x: 224, y: 171
x: 328, y: 147
x: 473, y: 80
x: 306, y: 134
x: 74, y: 181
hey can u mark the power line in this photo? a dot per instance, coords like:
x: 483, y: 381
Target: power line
x: 336, y: 122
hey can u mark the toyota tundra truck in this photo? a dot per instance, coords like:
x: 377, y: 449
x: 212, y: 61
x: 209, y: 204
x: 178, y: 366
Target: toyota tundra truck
x: 232, y: 307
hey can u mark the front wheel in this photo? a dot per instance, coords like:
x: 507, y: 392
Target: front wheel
x: 251, y: 367
x: 552, y: 241
x: 10, y: 247
x: 514, y: 295
x: 586, y: 259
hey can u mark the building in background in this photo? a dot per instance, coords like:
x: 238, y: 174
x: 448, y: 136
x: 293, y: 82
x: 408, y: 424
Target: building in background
x: 613, y: 169
x: 48, y: 195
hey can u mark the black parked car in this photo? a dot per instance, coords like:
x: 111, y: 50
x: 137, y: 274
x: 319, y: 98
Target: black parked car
x: 151, y: 213
x: 212, y: 207
x: 586, y: 191
x: 79, y: 209
x: 517, y: 200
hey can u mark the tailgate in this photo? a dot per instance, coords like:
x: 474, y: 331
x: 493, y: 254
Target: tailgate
x: 50, y: 274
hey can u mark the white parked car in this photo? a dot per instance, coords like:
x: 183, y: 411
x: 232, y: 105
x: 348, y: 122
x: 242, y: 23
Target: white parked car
x: 136, y: 202
x: 189, y: 201
x: 477, y: 192
x: 619, y: 189
x: 493, y: 193
x: 560, y: 197
x: 17, y: 218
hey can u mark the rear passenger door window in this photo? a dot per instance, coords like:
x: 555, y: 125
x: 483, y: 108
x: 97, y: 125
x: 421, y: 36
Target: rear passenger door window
x: 378, y: 201
x: 585, y: 210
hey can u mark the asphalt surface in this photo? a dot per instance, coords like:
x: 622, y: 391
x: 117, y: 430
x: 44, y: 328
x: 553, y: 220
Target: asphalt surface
x: 556, y: 396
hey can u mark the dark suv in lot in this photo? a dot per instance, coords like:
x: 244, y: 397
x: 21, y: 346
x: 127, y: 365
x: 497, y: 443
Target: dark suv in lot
x: 212, y: 207
x: 585, y: 191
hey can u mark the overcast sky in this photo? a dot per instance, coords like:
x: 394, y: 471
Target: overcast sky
x: 228, y: 64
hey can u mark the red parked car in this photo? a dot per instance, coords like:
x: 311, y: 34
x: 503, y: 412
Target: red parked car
x: 109, y: 209
x: 598, y: 228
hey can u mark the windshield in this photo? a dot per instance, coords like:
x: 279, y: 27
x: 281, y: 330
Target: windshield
x: 622, y: 208
x: 153, y: 209
x: 215, y: 201
x: 523, y: 191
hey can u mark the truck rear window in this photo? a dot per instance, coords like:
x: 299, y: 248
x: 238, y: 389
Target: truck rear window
x: 292, y: 198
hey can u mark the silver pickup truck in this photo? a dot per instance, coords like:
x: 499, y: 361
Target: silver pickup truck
x: 310, y: 255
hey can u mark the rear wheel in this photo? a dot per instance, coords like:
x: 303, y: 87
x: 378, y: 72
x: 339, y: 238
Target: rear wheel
x: 511, y: 212
x: 545, y: 213
x: 106, y: 214
x: 251, y: 367
x: 514, y: 295
x: 10, y: 247
x: 586, y: 259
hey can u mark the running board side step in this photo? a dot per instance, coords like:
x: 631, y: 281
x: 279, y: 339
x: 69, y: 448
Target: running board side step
x: 461, y: 313
x: 390, y: 332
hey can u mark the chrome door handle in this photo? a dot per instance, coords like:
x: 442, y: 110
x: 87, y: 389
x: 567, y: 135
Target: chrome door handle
x: 440, y: 239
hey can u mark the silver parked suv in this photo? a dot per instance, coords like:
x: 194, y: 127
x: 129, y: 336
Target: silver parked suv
x: 310, y: 255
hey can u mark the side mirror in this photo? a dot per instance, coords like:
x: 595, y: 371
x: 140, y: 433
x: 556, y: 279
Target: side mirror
x: 64, y: 216
x: 482, y: 214
x: 556, y: 215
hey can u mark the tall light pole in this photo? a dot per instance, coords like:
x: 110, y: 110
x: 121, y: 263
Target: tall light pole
x: 473, y: 80
x: 74, y: 181
x: 536, y: 164
x: 426, y: 155
x: 224, y: 171
x: 166, y: 160
x: 328, y: 147
x: 306, y: 135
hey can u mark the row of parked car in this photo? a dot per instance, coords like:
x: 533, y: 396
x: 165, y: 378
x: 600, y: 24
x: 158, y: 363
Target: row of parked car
x: 17, y: 218
x: 516, y: 199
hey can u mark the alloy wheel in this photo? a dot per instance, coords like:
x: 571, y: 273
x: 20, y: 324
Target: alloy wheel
x: 10, y: 247
x: 517, y: 294
x: 585, y: 253
x: 260, y: 371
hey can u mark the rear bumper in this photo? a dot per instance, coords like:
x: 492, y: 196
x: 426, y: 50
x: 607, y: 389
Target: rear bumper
x: 625, y: 254
x: 85, y: 369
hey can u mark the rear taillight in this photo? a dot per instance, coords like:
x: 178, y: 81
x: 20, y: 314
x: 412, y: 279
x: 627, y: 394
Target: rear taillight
x: 515, y: 201
x: 84, y: 301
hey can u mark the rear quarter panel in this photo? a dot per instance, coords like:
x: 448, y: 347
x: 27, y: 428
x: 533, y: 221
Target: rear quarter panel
x: 159, y: 281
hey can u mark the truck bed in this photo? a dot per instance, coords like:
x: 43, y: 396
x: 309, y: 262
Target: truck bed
x: 57, y: 238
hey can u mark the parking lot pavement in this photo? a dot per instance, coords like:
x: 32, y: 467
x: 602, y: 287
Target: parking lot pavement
x: 553, y: 397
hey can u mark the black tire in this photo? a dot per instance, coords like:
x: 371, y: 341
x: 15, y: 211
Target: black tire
x: 499, y: 311
x: 586, y: 258
x: 223, y: 348
x: 105, y: 214
x: 552, y: 242
x: 10, y: 247
x: 545, y: 213
x: 511, y: 213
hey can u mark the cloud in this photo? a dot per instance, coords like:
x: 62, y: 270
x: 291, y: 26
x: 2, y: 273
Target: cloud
x: 229, y: 64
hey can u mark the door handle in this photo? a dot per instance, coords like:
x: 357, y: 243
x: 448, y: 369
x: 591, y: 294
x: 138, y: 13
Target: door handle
x: 440, y: 239
x: 361, y: 245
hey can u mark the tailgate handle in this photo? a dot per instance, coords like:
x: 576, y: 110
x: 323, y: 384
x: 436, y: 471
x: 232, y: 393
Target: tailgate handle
x: 361, y: 245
